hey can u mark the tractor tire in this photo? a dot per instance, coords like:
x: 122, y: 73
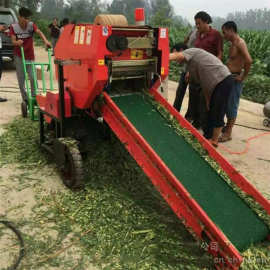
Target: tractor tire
x: 72, y: 169
x: 24, y: 109
x: 266, y: 122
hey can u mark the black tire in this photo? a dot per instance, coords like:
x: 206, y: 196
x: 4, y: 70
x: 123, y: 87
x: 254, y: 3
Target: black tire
x: 72, y: 171
x: 266, y: 123
x: 24, y: 109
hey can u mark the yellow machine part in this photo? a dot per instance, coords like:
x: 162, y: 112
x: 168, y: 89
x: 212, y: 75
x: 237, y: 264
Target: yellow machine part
x: 111, y: 19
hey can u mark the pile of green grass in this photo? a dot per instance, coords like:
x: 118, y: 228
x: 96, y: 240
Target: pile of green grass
x: 255, y: 206
x: 131, y: 226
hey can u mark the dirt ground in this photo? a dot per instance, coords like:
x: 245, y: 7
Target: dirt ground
x: 14, y: 204
x: 19, y: 187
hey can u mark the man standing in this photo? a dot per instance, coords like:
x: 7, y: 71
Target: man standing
x: 208, y: 39
x: 216, y: 82
x: 211, y: 41
x: 239, y: 64
x: 22, y: 36
x: 55, y: 31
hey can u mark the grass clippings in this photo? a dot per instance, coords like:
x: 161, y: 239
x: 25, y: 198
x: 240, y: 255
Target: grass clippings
x: 129, y: 225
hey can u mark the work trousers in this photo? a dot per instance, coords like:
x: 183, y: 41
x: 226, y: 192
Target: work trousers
x: 180, y: 92
x: 21, y: 77
x: 197, y: 110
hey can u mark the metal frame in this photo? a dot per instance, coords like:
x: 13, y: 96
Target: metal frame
x: 179, y: 199
x: 31, y: 99
x: 59, y: 122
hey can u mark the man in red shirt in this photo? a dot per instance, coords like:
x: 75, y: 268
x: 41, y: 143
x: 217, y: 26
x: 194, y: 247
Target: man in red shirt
x: 211, y: 41
x: 208, y: 39
x: 22, y: 36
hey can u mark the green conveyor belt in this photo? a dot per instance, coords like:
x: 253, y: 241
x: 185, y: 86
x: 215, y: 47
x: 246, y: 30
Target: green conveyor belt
x: 225, y: 208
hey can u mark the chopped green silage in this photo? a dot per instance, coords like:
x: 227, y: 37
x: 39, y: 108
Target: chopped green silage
x: 237, y: 221
x: 20, y: 144
x: 255, y: 206
x: 132, y: 227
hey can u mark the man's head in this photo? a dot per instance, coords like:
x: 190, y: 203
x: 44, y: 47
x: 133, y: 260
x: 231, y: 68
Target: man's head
x: 179, y: 47
x: 24, y: 15
x: 202, y: 21
x: 229, y: 30
x: 65, y: 21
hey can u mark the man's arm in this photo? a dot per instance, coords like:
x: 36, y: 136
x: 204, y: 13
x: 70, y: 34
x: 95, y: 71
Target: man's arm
x: 178, y: 56
x: 242, y: 47
x: 15, y: 42
x: 46, y: 42
x: 219, y: 46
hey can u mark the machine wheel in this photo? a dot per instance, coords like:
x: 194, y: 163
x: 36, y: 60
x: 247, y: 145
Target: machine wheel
x: 266, y: 122
x: 24, y: 109
x: 72, y: 170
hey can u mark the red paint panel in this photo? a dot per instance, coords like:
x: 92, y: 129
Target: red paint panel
x: 52, y: 105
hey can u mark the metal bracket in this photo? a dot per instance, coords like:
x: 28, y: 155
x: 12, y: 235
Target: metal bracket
x: 67, y: 62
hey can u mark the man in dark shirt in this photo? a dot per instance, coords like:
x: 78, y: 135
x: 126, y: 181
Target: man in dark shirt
x: 208, y: 39
x: 55, y: 31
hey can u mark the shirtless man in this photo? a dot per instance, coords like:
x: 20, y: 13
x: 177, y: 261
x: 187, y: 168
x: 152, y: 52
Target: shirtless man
x: 239, y: 64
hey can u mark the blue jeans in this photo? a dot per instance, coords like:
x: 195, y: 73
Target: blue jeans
x: 233, y: 101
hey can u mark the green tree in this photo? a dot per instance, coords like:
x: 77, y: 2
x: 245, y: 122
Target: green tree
x: 253, y: 19
x: 127, y: 8
x: 52, y: 9
x: 83, y: 10
x: 31, y: 4
x: 161, y: 13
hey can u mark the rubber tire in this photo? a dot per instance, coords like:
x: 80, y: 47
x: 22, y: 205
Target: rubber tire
x: 72, y: 172
x: 266, y: 122
x: 24, y: 109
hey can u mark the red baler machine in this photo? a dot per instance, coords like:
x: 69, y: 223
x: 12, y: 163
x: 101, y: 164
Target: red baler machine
x: 103, y: 72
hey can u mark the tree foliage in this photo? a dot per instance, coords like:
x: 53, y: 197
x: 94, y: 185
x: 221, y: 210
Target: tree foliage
x: 53, y: 9
x: 127, y: 7
x: 157, y: 12
x: 257, y: 19
x: 31, y: 4
x: 83, y: 10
